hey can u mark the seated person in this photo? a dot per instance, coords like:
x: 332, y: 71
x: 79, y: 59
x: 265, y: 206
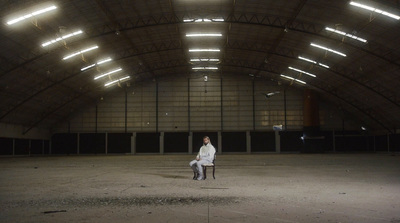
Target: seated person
x: 205, y: 155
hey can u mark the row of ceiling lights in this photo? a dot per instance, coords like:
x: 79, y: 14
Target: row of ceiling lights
x: 207, y: 62
x: 32, y: 14
x: 327, y: 49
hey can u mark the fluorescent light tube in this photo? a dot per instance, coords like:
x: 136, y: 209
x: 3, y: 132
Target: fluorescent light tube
x: 87, y: 67
x: 98, y: 63
x: 61, y: 38
x: 370, y: 8
x: 346, y: 34
x: 308, y: 60
x: 104, y: 61
x: 291, y: 78
x: 205, y: 68
x: 204, y: 20
x: 301, y: 71
x: 108, y: 73
x: 115, y: 81
x: 35, y: 13
x: 323, y: 65
x: 204, y: 50
x: 312, y: 61
x: 203, y: 34
x: 204, y: 60
x: 80, y: 52
x: 328, y: 49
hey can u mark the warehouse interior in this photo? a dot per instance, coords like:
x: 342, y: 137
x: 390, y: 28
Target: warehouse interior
x: 288, y: 82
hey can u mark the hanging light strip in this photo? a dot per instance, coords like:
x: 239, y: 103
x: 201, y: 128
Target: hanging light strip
x: 204, y: 20
x: 314, y: 62
x: 88, y: 67
x: 203, y: 34
x: 115, y: 81
x: 204, y: 60
x: 204, y: 50
x: 205, y: 68
x: 301, y: 71
x: 104, y: 61
x: 62, y: 38
x: 291, y: 78
x: 346, y: 34
x: 108, y: 73
x: 370, y: 8
x: 29, y: 15
x: 323, y: 65
x: 98, y: 63
x: 80, y: 52
x: 328, y: 49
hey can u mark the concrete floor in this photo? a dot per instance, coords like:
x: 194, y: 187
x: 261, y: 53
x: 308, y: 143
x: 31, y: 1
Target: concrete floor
x: 159, y: 188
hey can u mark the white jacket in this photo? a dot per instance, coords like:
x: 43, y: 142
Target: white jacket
x: 206, y: 152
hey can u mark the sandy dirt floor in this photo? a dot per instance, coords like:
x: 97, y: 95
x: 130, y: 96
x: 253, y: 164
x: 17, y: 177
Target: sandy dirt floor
x: 159, y: 188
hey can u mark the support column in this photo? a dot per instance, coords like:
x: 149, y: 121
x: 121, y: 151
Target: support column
x: 312, y: 139
x: 13, y: 147
x: 248, y: 142
x: 30, y: 147
x: 77, y: 146
x: 334, y: 141
x: 106, y: 145
x: 190, y: 140
x: 161, y: 142
x: 133, y: 143
x: 311, y: 113
x: 219, y: 142
x: 277, y: 142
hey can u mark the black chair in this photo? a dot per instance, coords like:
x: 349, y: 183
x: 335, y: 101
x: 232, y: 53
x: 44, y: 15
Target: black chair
x: 209, y: 165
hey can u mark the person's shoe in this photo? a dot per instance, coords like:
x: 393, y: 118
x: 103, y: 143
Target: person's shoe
x: 200, y: 178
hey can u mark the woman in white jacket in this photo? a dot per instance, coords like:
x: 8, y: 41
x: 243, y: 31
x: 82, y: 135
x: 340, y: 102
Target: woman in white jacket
x: 205, y: 155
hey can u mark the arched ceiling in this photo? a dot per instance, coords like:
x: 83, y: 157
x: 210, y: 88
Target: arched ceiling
x: 147, y: 39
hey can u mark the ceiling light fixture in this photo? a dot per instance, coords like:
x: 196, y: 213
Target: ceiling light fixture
x: 29, y: 15
x: 115, y: 81
x: 204, y: 60
x: 291, y: 78
x: 308, y: 60
x: 328, y: 49
x: 346, y: 34
x: 370, y: 8
x: 205, y: 68
x: 218, y: 20
x: 62, y: 38
x: 301, y: 71
x: 108, y: 73
x: 204, y: 20
x: 312, y: 61
x: 104, y: 61
x: 203, y: 35
x: 88, y: 67
x: 80, y: 52
x: 98, y: 63
x: 204, y: 50
x: 323, y: 65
